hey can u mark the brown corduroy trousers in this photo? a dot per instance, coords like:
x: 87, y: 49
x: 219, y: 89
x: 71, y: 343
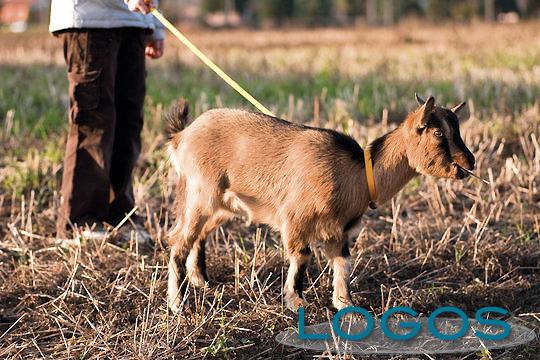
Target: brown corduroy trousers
x: 106, y: 72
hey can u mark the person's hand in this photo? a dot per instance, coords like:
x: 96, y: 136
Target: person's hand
x: 154, y: 48
x: 144, y: 6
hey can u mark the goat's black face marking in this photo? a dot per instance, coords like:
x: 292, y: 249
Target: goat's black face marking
x: 448, y: 120
x: 440, y: 146
x: 445, y: 150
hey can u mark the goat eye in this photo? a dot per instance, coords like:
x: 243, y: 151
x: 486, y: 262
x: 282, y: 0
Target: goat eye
x: 438, y: 133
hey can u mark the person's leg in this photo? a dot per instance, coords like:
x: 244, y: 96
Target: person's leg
x: 129, y: 99
x: 91, y: 64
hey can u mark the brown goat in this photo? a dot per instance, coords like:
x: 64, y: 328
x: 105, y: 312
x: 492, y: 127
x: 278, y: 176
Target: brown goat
x: 308, y: 183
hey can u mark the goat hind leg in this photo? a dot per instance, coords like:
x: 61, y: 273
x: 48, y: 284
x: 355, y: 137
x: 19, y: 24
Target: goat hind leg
x: 196, y: 264
x: 196, y: 260
x: 182, y: 240
x: 176, y: 279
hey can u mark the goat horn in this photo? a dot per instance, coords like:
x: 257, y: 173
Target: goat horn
x: 419, y: 99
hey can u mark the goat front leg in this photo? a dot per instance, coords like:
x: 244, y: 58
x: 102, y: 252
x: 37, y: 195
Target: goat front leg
x: 294, y: 285
x: 339, y: 256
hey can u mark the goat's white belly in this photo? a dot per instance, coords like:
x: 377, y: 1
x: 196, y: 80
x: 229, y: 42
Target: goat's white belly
x: 250, y: 208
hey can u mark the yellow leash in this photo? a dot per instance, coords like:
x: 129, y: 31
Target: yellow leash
x: 210, y: 63
x: 252, y: 100
x: 370, y: 178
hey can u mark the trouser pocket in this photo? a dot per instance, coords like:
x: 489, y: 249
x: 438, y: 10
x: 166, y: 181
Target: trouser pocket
x: 85, y: 89
x: 91, y: 63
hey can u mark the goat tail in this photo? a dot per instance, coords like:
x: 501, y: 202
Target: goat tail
x: 176, y: 118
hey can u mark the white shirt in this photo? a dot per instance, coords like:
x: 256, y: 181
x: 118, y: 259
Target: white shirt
x: 99, y: 14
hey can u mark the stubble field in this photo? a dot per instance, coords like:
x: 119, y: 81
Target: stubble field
x: 439, y: 242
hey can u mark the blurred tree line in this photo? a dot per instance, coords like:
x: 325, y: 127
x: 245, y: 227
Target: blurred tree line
x: 387, y: 12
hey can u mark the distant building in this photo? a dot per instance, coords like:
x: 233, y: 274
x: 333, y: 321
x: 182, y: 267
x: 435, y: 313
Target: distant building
x: 16, y: 13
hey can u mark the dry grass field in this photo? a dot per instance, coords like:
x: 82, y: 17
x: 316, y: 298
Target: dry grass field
x: 439, y: 242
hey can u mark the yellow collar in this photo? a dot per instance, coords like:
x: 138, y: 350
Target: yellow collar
x: 370, y: 178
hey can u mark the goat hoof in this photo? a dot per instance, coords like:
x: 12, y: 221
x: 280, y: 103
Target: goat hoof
x: 175, y: 308
x: 177, y: 302
x: 198, y: 281
x: 295, y: 302
x: 340, y: 303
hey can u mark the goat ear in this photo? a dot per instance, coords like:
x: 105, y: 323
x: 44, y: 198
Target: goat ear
x: 458, y: 109
x: 419, y: 99
x: 423, y: 113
